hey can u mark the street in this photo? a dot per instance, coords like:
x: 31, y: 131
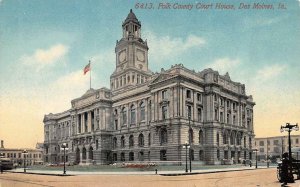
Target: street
x: 260, y: 177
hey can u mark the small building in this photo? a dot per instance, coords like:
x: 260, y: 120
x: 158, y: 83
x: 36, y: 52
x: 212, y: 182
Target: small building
x: 274, y: 147
x: 33, y: 156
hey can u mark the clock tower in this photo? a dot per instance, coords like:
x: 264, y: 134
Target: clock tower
x: 131, y: 56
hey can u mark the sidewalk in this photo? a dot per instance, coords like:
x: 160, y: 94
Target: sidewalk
x: 164, y: 173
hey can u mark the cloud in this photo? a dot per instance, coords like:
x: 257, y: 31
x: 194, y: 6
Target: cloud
x: 166, y: 47
x: 45, y: 57
x: 224, y: 65
x: 269, y: 72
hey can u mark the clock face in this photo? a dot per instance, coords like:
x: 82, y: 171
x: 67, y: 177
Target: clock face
x: 140, y: 56
x: 122, y: 56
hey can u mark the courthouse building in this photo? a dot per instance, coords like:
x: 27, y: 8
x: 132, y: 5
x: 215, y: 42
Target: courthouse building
x: 147, y: 116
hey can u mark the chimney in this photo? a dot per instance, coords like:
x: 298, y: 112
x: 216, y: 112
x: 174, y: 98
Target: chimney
x: 2, y: 144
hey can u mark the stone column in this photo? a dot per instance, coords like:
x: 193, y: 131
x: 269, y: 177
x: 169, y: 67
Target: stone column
x: 89, y: 121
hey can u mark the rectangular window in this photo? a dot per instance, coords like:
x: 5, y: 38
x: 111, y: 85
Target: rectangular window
x: 261, y: 143
x: 199, y: 114
x: 297, y: 141
x: 199, y: 97
x: 275, y: 142
x: 164, y: 94
x: 188, y: 94
x: 164, y: 112
x: 189, y: 111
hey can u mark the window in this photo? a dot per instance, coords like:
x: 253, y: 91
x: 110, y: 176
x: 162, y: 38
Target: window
x: 201, y: 155
x: 232, y: 139
x: 114, y: 143
x: 191, y: 136
x: 131, y: 156
x: 218, y: 154
x: 122, y: 142
x: 192, y: 154
x: 201, y: 137
x: 164, y: 112
x: 297, y: 141
x: 215, y: 97
x: 83, y: 153
x: 234, y: 120
x: 124, y: 116
x: 164, y: 94
x: 261, y: 143
x: 141, y: 156
x: 142, y: 111
x: 163, y: 155
x: 216, y: 114
x: 131, y: 141
x: 228, y: 118
x: 199, y: 114
x: 218, y: 139
x: 150, y: 111
x: 122, y: 156
x: 221, y: 101
x: 228, y: 104
x: 234, y: 105
x: 115, y: 157
x: 221, y: 117
x: 199, y: 97
x: 275, y: 142
x: 188, y: 94
x: 132, y: 114
x: 225, y: 154
x: 141, y: 140
x: 245, y: 142
x: 97, y: 144
x: 261, y: 150
x: 149, y: 139
x: 163, y: 136
x: 189, y: 111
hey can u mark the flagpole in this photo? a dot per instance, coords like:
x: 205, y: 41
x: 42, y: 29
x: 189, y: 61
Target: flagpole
x: 90, y: 75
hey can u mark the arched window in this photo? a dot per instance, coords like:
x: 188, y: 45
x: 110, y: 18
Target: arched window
x: 201, y: 137
x: 141, y: 140
x: 149, y: 139
x: 142, y: 111
x: 225, y: 138
x: 124, y: 116
x: 122, y: 142
x: 163, y: 136
x: 132, y: 114
x: 115, y: 157
x: 232, y: 142
x: 191, y: 136
x: 131, y: 156
x: 114, y: 143
x: 131, y: 141
x: 91, y: 156
x: 201, y: 155
x: 163, y: 155
x: 83, y: 153
x: 122, y: 156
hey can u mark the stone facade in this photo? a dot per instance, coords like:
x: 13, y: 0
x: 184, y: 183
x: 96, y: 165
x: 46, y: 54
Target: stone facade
x: 147, y: 116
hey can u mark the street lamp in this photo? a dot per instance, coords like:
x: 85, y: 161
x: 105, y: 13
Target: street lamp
x: 289, y: 127
x: 64, y: 147
x: 190, y: 139
x: 186, y: 146
x: 25, y: 152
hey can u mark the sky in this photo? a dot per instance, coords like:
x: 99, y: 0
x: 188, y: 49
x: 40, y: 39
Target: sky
x: 44, y: 46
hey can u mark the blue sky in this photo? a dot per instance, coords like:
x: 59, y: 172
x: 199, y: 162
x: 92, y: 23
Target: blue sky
x: 44, y: 46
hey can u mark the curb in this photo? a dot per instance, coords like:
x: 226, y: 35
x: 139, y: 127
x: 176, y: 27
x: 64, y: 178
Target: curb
x: 208, y: 172
x: 51, y: 174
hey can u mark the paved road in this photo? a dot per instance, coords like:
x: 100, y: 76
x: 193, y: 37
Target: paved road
x: 253, y: 178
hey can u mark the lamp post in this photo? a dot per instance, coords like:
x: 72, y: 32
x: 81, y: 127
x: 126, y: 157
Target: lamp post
x: 190, y: 140
x: 186, y: 146
x: 24, y: 154
x: 64, y: 148
x: 289, y: 127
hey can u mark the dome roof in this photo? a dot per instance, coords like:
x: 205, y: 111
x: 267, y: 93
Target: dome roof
x: 131, y: 17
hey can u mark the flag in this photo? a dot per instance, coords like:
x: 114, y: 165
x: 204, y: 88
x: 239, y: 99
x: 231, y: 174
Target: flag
x: 87, y: 68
